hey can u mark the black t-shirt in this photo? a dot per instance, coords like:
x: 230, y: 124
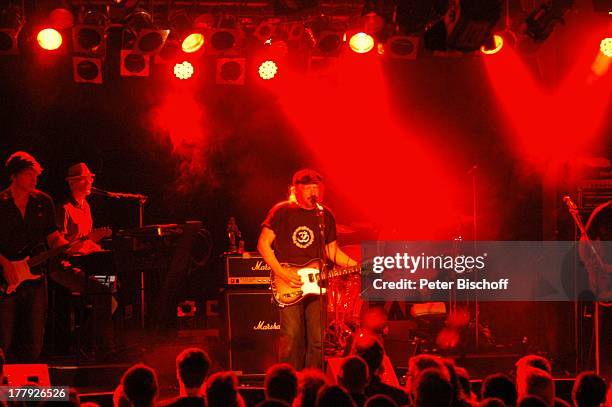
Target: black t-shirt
x: 297, y: 232
x: 20, y: 235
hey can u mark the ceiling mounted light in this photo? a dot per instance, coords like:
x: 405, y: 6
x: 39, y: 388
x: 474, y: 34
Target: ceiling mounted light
x: 402, y: 47
x: 87, y: 70
x: 187, y: 32
x: 466, y: 26
x: 361, y: 43
x: 49, y: 39
x: 543, y: 19
x: 141, y: 35
x: 230, y: 71
x: 89, y: 37
x: 11, y: 23
x: 134, y: 64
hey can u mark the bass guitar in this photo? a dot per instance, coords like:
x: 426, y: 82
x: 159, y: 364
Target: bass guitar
x: 310, y: 275
x: 24, y: 267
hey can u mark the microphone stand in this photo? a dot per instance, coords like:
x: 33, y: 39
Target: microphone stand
x: 142, y: 199
x: 322, y: 309
x: 472, y: 172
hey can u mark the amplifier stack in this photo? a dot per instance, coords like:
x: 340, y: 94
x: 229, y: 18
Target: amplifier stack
x: 252, y: 322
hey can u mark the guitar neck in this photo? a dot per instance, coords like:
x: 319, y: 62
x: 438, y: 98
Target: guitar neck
x: 49, y: 254
x: 95, y: 236
x: 339, y: 272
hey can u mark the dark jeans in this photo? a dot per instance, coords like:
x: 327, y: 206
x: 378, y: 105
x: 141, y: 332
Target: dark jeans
x: 97, y: 329
x: 22, y: 321
x: 300, y: 341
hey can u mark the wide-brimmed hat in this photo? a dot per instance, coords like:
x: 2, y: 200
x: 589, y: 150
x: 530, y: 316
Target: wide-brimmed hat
x: 80, y: 170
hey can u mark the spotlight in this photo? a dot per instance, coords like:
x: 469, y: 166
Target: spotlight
x: 182, y: 30
x: 465, y: 27
x: 542, y: 20
x: 89, y: 37
x: 186, y: 309
x: 230, y: 71
x: 87, y: 70
x: 61, y: 16
x: 184, y: 70
x: 134, y: 64
x: 295, y: 31
x: 330, y: 42
x: 606, y: 47
x: 49, y: 39
x: 193, y: 43
x: 267, y: 70
x: 11, y: 23
x: 225, y: 41
x: 361, y: 43
x: 266, y: 30
x: 495, y: 47
x: 141, y: 35
x: 402, y: 47
x: 326, y: 36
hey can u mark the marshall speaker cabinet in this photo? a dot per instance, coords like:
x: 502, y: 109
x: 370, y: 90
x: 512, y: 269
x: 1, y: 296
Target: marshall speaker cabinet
x: 249, y: 269
x: 252, y: 329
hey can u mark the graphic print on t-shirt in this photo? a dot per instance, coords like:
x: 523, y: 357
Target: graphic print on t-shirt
x: 302, y: 237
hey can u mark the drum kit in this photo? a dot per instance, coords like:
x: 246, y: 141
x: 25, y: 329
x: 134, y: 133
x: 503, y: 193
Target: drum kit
x: 348, y: 315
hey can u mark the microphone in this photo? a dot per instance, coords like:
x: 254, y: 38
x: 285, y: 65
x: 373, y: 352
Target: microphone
x: 118, y: 195
x: 314, y: 200
x: 99, y: 191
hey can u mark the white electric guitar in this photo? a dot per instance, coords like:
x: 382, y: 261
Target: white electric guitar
x: 285, y: 295
x: 24, y: 267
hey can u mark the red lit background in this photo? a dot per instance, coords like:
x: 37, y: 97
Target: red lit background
x: 400, y: 142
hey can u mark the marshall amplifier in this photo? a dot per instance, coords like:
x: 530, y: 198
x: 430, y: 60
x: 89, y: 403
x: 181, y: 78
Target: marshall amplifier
x: 252, y: 329
x: 247, y: 269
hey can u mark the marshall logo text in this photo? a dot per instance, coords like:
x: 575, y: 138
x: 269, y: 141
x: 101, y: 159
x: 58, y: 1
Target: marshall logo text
x: 260, y: 265
x: 266, y: 326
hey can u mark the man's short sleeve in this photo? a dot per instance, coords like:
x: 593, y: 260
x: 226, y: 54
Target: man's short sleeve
x: 274, y: 218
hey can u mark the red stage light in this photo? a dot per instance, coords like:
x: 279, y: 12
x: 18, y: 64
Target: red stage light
x: 49, y: 39
x: 183, y: 70
x: 498, y: 45
x: 606, y: 47
x: 267, y: 70
x: 193, y: 43
x: 361, y: 43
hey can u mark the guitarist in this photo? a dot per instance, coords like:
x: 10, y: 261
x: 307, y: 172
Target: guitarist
x: 27, y: 216
x: 76, y: 222
x: 599, y: 228
x: 291, y: 234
